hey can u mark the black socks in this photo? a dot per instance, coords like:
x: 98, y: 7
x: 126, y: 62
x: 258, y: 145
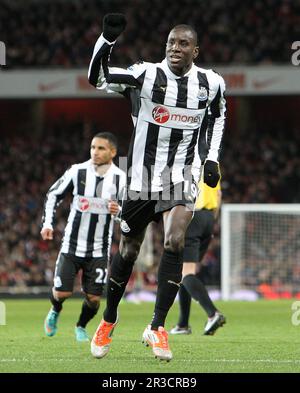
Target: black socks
x: 169, y: 278
x: 119, y: 276
x: 57, y: 304
x: 197, y: 290
x: 87, y: 310
x: 184, y: 306
x: 87, y: 313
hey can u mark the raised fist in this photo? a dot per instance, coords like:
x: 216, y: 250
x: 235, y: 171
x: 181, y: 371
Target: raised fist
x: 113, y: 26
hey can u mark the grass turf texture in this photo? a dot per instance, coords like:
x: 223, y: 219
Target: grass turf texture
x: 258, y: 337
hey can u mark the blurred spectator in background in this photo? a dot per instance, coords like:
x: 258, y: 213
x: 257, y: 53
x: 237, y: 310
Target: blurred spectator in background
x: 62, y: 33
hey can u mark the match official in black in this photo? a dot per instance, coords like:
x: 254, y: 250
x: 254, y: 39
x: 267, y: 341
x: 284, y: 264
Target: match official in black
x: 197, y: 239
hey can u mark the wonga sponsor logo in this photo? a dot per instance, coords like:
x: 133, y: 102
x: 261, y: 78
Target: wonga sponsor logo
x: 160, y: 114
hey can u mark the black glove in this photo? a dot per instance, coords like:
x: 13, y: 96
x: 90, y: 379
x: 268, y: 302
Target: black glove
x: 211, y: 173
x: 113, y: 26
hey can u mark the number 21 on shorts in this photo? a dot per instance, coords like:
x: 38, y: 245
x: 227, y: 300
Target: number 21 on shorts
x: 101, y: 275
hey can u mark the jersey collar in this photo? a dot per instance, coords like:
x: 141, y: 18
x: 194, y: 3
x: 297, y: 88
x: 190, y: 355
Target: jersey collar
x: 170, y: 74
x: 112, y: 165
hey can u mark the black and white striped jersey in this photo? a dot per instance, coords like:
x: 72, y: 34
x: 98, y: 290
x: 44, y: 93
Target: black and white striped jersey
x: 169, y: 114
x: 89, y: 229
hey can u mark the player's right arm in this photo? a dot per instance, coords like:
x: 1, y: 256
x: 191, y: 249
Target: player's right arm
x: 113, y: 79
x: 54, y: 196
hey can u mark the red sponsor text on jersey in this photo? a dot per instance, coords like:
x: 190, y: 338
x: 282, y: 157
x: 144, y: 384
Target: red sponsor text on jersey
x: 161, y: 115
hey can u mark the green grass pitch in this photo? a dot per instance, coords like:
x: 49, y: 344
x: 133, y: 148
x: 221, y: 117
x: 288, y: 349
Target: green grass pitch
x: 258, y: 337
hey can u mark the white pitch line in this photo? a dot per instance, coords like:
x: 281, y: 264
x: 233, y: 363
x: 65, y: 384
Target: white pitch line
x: 283, y: 361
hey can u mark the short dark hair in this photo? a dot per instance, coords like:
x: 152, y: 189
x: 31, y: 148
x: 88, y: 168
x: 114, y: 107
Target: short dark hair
x: 109, y: 137
x: 189, y: 28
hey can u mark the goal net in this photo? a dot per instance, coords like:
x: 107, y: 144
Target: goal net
x: 260, y: 252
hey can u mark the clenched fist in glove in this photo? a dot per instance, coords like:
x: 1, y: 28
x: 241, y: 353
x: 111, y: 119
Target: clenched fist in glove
x: 113, y: 26
x: 211, y: 173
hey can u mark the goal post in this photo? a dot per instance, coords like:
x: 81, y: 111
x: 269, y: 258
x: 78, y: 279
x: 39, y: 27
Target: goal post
x: 260, y: 249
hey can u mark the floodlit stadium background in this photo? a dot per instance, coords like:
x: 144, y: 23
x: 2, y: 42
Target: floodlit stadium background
x: 48, y: 114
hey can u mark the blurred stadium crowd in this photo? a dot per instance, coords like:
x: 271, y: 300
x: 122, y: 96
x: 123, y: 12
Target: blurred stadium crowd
x: 62, y: 33
x: 29, y: 168
x: 31, y: 165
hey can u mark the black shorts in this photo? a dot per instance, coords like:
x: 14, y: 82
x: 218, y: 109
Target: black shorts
x: 198, y: 235
x: 94, y: 273
x: 137, y: 213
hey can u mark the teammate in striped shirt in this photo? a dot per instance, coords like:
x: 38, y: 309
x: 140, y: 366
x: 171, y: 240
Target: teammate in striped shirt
x: 96, y: 186
x: 197, y: 239
x: 170, y: 104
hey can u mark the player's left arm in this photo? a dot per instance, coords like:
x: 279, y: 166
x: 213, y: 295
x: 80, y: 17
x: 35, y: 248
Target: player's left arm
x: 216, y: 112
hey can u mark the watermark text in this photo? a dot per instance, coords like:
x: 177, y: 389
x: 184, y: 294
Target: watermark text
x: 2, y: 53
x: 296, y: 55
x: 2, y: 314
x: 296, y: 314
